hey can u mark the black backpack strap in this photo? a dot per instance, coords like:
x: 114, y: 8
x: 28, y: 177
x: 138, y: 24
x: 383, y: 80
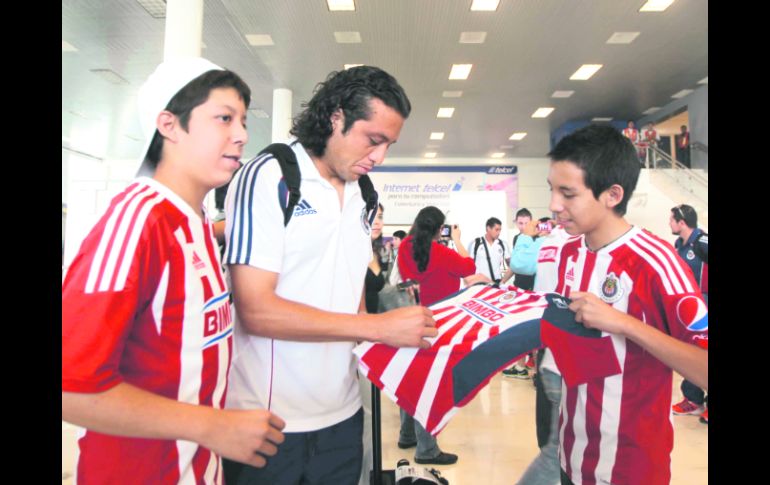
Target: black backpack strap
x: 369, y: 195
x: 489, y: 261
x: 287, y: 160
x: 698, y: 247
x: 477, y: 242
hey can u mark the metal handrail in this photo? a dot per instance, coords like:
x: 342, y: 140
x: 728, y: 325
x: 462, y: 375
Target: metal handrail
x: 660, y: 155
x: 696, y: 145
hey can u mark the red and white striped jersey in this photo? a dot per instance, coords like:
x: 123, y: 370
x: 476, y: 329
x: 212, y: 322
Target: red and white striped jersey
x: 481, y: 330
x: 145, y: 302
x: 619, y: 429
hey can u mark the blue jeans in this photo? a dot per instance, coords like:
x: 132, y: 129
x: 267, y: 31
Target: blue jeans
x: 329, y: 455
x: 411, y: 431
x: 545, y: 468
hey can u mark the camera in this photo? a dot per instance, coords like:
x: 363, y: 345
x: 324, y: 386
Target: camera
x: 446, y: 230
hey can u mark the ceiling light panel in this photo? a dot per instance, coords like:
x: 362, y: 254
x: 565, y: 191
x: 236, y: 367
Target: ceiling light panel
x: 437, y: 135
x: 562, y: 94
x: 348, y: 66
x: 484, y: 5
x: 656, y: 5
x: 452, y: 94
x: 259, y: 40
x: 542, y: 112
x: 505, y: 147
x: 430, y: 155
x: 460, y: 71
x: 445, y: 112
x: 341, y: 5
x: 67, y: 47
x: 518, y: 136
x: 682, y: 93
x: 585, y: 72
x: 601, y: 119
x: 651, y: 110
x: 622, y: 37
x: 347, y: 37
x: 498, y: 155
x: 473, y: 37
x: 705, y: 80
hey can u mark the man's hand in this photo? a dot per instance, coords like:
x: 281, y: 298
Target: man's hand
x: 247, y: 436
x: 594, y: 313
x: 531, y: 228
x: 407, y: 327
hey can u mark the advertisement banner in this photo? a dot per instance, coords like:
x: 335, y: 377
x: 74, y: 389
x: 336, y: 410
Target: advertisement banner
x: 404, y: 191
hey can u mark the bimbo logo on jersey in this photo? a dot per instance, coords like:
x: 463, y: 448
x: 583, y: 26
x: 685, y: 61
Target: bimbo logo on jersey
x: 693, y: 314
x: 482, y: 310
x: 217, y: 318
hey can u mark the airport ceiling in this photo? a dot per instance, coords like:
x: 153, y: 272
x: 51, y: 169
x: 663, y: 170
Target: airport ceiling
x: 530, y: 50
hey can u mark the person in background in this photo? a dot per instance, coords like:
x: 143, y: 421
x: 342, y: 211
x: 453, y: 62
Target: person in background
x: 693, y: 247
x: 438, y: 271
x: 682, y: 141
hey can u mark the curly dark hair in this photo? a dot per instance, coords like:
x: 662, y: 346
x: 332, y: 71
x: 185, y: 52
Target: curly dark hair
x: 423, y: 231
x: 349, y: 90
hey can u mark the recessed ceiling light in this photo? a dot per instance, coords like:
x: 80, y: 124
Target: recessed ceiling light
x: 542, y: 112
x: 651, y: 110
x: 622, y: 37
x: 656, y: 5
x: 562, y: 94
x: 585, y: 72
x: 445, y: 112
x: 341, y: 5
x: 460, y: 71
x: 601, y: 119
x: 109, y: 76
x: 473, y: 37
x: 430, y: 155
x: 682, y: 93
x: 259, y: 113
x: 484, y: 5
x: 348, y: 66
x: 347, y: 37
x: 67, y: 47
x: 705, y: 80
x: 498, y: 155
x: 156, y: 8
x: 259, y: 39
x: 452, y: 94
x: 518, y: 136
x: 437, y: 135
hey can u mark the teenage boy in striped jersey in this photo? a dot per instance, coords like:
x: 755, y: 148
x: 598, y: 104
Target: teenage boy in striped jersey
x: 146, y: 320
x: 631, y: 285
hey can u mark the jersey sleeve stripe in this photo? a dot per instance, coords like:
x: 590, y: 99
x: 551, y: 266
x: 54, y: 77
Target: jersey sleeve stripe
x: 671, y: 258
x: 134, y: 228
x: 239, y: 249
x: 667, y: 266
x: 121, y: 210
x: 654, y: 264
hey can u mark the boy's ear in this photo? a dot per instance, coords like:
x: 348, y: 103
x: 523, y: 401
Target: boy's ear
x: 613, y: 196
x: 166, y: 123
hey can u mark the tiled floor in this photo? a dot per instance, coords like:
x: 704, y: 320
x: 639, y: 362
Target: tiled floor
x: 494, y: 436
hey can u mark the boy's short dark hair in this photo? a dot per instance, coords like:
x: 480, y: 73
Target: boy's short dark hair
x: 686, y: 213
x: 399, y: 234
x: 523, y: 212
x: 606, y: 158
x: 193, y: 94
x: 350, y: 91
x: 493, y: 221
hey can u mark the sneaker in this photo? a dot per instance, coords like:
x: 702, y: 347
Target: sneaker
x: 704, y: 418
x: 516, y: 373
x: 441, y: 459
x: 687, y: 407
x: 404, y: 445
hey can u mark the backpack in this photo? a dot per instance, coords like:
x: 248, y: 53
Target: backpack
x: 697, y: 247
x: 287, y: 160
x: 479, y: 241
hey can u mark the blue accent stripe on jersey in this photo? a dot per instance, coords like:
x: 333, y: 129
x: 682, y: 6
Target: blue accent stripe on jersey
x: 214, y: 301
x: 217, y: 338
x: 244, y: 198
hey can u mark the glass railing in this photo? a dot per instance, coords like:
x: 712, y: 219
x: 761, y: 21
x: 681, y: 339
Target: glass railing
x: 692, y: 181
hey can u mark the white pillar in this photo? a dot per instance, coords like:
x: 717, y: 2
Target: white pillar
x: 184, y: 28
x: 281, y: 114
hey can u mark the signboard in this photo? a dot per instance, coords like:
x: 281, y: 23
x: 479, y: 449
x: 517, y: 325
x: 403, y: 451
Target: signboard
x: 404, y: 191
